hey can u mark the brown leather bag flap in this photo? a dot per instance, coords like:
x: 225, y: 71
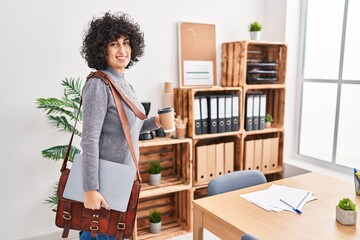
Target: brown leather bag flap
x: 102, y: 213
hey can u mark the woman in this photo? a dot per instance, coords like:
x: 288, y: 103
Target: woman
x: 112, y: 44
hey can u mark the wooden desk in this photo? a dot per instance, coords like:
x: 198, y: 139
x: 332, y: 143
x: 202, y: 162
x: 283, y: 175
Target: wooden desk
x: 229, y: 216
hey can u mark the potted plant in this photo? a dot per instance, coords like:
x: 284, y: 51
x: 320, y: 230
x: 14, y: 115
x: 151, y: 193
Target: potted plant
x: 346, y: 213
x: 60, y: 113
x: 255, y: 30
x: 268, y: 120
x: 155, y: 221
x: 155, y: 173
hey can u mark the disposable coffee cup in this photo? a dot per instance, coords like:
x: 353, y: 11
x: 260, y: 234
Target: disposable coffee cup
x: 166, y: 117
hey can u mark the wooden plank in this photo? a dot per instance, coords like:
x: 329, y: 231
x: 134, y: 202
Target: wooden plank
x: 243, y: 63
x: 229, y: 80
x: 236, y: 63
x: 224, y: 64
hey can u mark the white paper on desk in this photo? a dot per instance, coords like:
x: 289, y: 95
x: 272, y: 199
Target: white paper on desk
x: 269, y: 199
x: 263, y: 198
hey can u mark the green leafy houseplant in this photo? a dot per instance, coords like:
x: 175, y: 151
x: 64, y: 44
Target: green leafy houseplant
x: 155, y: 167
x: 347, y: 205
x: 61, y: 114
x: 268, y: 118
x: 154, y: 216
x: 255, y: 26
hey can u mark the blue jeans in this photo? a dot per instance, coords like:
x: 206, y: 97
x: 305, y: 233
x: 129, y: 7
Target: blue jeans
x: 87, y: 236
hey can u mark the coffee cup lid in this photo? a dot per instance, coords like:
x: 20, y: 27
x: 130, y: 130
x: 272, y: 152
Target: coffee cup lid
x: 165, y: 110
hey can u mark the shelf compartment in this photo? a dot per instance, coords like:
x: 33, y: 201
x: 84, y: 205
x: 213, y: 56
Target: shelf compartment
x: 202, y: 170
x: 263, y: 152
x: 176, y: 161
x: 176, y: 215
x: 184, y: 99
x: 275, y: 105
x: 240, y: 57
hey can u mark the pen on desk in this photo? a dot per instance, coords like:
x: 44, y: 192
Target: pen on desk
x: 295, y: 209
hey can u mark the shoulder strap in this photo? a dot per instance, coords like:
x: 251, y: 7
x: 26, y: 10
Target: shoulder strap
x: 122, y: 116
x: 115, y: 88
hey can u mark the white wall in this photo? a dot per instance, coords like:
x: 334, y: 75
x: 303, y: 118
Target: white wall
x: 40, y: 41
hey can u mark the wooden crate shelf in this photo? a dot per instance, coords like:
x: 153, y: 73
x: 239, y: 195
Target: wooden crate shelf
x: 180, y: 183
x: 176, y: 215
x: 175, y: 156
x: 184, y: 99
x: 267, y: 59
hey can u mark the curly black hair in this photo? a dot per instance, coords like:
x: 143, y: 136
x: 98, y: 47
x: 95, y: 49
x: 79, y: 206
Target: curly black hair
x: 106, y: 29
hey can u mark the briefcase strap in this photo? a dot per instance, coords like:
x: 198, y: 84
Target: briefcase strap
x: 122, y: 115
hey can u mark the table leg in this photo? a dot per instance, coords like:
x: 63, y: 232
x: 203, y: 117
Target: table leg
x: 198, y: 224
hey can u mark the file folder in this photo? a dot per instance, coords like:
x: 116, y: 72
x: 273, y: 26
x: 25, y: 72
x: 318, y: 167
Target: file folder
x: 266, y: 155
x: 235, y: 126
x: 204, y: 115
x: 229, y: 157
x: 258, y: 154
x: 249, y: 155
x: 249, y: 112
x: 262, y: 111
x: 256, y: 112
x: 228, y: 112
x: 219, y: 152
x: 197, y: 115
x: 212, y: 113
x: 221, y: 113
x: 211, y: 161
x: 201, y: 162
x: 274, y: 153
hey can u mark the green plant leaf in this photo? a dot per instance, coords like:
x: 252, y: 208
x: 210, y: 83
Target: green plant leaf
x: 55, y: 106
x: 255, y: 26
x: 53, y: 199
x: 63, y: 123
x: 73, y: 88
x: 155, y: 167
x: 154, y: 216
x: 58, y: 153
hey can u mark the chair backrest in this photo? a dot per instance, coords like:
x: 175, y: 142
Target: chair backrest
x: 235, y: 180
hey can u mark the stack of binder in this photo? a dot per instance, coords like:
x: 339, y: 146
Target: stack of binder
x: 255, y: 111
x: 216, y: 113
x: 214, y: 160
x: 261, y: 154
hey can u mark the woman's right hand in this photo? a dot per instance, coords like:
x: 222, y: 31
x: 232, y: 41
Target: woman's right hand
x: 94, y: 200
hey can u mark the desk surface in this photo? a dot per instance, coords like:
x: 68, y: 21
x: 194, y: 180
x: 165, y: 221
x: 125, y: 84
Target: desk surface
x: 229, y: 216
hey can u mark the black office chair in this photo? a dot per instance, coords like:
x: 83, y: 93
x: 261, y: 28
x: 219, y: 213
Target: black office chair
x: 236, y: 180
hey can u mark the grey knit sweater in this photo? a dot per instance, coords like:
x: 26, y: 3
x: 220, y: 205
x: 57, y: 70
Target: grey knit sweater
x: 102, y: 134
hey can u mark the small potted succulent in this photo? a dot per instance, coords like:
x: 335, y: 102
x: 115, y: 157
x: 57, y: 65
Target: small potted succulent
x: 155, y: 173
x: 268, y: 120
x: 255, y: 30
x: 155, y: 221
x: 346, y: 213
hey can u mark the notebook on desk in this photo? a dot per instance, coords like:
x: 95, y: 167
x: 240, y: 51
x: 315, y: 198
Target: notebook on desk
x: 116, y: 181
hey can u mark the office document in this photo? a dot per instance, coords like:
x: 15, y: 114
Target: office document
x: 221, y: 113
x: 204, y: 115
x: 213, y: 116
x: 278, y: 198
x: 262, y: 111
x: 249, y: 112
x: 228, y: 112
x: 235, y: 113
x: 256, y: 112
x: 197, y: 115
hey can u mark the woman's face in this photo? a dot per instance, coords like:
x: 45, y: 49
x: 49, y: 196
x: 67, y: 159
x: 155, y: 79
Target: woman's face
x: 119, y: 54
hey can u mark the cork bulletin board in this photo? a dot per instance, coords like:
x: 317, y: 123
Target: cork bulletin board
x: 197, y: 55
